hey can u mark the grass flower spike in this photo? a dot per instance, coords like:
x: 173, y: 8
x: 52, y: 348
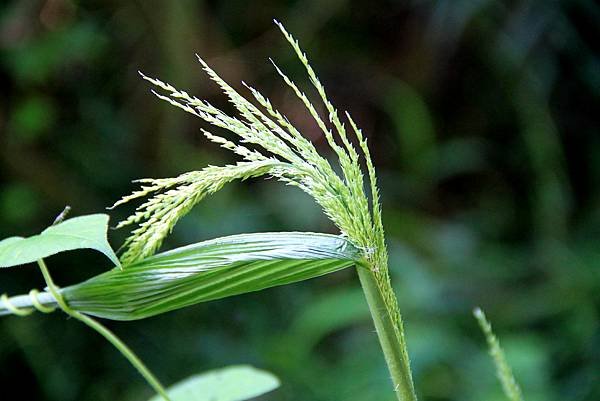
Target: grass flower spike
x: 269, y: 145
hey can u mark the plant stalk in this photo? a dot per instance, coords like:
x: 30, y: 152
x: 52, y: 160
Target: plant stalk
x: 105, y: 332
x: 388, y: 325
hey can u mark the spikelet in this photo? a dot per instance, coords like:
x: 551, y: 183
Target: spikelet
x: 511, y: 388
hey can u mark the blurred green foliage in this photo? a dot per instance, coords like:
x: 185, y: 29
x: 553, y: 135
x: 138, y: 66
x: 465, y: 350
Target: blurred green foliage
x: 482, y: 117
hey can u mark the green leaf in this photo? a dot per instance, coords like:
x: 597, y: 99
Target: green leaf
x: 234, y: 383
x: 76, y: 233
x: 210, y: 270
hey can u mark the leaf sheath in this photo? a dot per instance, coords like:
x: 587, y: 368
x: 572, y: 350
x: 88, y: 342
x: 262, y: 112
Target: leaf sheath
x: 210, y: 270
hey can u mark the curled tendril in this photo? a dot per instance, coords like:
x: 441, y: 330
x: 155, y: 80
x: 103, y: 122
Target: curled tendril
x: 19, y: 311
x: 33, y: 295
x: 14, y: 309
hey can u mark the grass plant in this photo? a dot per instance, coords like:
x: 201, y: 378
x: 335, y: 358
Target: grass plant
x: 144, y: 283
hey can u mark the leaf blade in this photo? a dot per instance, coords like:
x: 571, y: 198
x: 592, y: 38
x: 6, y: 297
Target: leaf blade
x: 210, y: 270
x: 233, y: 383
x: 75, y: 233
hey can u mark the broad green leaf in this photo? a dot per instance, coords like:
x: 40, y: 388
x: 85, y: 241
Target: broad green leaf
x: 210, y: 270
x: 234, y: 383
x: 76, y: 233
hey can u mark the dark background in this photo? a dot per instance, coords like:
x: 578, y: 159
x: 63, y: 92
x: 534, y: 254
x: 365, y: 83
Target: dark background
x: 482, y: 116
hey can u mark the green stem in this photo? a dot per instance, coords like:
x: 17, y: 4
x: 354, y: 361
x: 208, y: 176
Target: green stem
x: 388, y: 324
x: 105, y: 332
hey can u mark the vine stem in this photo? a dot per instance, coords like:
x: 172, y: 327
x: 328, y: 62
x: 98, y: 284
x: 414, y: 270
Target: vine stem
x: 390, y: 331
x: 105, y: 332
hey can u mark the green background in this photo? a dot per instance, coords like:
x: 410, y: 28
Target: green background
x: 482, y: 117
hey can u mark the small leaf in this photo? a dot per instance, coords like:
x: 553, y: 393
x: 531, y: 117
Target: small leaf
x: 234, y: 383
x: 76, y: 233
x: 210, y: 270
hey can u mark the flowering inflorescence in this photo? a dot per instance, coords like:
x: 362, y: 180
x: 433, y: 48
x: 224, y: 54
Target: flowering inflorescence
x: 269, y: 145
